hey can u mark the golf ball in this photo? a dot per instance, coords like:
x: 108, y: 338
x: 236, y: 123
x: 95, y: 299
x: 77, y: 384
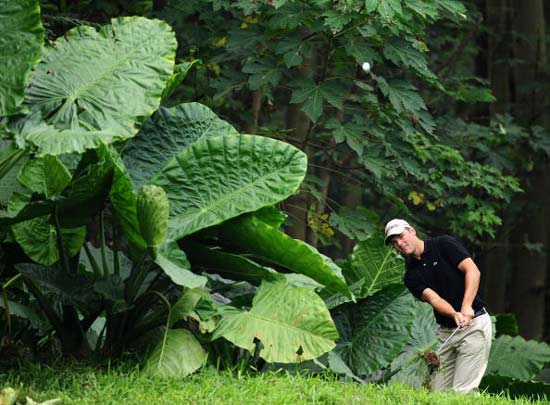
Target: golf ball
x: 366, y: 67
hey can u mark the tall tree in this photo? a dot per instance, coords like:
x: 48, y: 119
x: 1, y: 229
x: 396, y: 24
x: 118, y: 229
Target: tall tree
x: 529, y: 276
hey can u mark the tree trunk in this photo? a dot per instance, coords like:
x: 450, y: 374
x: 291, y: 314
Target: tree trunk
x: 256, y: 104
x: 496, y: 263
x: 296, y: 206
x: 528, y: 284
x: 499, y: 53
x: 298, y: 125
x: 495, y: 271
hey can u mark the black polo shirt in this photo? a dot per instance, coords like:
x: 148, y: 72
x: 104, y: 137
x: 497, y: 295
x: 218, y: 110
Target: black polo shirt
x: 437, y: 269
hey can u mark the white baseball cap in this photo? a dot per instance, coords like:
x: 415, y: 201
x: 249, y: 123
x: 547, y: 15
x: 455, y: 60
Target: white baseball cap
x: 395, y: 227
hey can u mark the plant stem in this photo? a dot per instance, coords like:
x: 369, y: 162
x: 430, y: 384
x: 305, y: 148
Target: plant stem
x: 132, y: 284
x: 6, y: 302
x: 116, y: 262
x: 52, y: 316
x: 103, y: 248
x: 60, y: 246
x: 95, y: 267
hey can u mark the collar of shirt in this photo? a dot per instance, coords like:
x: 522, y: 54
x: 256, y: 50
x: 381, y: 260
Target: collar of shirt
x: 427, y: 250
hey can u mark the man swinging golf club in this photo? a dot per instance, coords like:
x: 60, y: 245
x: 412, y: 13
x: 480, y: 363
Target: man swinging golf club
x: 441, y: 272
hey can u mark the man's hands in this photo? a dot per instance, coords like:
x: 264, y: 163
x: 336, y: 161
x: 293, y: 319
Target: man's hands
x: 462, y: 318
x: 459, y: 319
x: 465, y: 316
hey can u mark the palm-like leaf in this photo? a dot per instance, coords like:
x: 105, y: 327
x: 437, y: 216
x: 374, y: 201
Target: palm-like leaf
x: 527, y: 356
x: 168, y: 132
x: 104, y: 82
x: 291, y: 323
x: 219, y: 178
x: 21, y: 39
x: 375, y: 263
x: 375, y: 331
x: 413, y: 369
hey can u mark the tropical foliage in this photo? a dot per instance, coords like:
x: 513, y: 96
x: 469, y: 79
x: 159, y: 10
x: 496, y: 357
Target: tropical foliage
x: 134, y: 220
x: 100, y: 291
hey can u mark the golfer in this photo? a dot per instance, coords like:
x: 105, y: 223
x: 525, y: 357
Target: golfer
x: 441, y: 272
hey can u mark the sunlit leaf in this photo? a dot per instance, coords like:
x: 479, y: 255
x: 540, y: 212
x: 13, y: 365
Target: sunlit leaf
x: 106, y: 80
x: 166, y: 134
x: 219, y: 178
x: 292, y: 324
x: 178, y: 354
x: 21, y: 40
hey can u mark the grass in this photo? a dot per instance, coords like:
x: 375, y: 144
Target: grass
x: 78, y: 384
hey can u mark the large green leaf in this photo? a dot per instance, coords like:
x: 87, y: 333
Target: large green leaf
x: 70, y: 289
x: 271, y: 216
x: 411, y: 368
x: 172, y: 260
x: 167, y: 133
x: 231, y: 266
x: 374, y: 331
x: 527, y: 356
x: 254, y: 236
x: 186, y: 308
x: 31, y: 132
x: 292, y: 324
x: 21, y: 39
x: 83, y: 197
x: 47, y: 176
x: 219, y: 178
x: 38, y: 236
x: 87, y: 192
x: 111, y: 79
x: 124, y: 200
x: 374, y: 262
x: 38, y: 239
x: 178, y: 354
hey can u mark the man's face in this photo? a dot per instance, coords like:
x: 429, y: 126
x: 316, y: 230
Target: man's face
x: 405, y: 242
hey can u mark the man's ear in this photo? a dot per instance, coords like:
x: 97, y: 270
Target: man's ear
x: 412, y: 230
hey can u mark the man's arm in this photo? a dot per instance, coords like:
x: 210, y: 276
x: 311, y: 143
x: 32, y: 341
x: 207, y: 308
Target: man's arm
x: 442, y: 306
x: 471, y: 285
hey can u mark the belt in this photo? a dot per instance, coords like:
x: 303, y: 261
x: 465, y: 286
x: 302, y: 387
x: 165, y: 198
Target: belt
x: 480, y: 312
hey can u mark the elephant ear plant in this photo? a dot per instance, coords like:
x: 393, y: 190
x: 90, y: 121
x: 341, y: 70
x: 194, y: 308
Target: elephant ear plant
x: 106, y: 206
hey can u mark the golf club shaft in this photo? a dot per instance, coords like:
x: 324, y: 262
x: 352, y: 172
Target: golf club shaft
x: 449, y: 338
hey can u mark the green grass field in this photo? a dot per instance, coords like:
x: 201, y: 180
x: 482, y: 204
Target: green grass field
x: 76, y: 384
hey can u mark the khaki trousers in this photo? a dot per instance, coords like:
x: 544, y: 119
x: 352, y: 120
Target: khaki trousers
x: 464, y: 358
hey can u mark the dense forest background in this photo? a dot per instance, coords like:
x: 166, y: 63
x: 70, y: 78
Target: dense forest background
x: 449, y: 128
